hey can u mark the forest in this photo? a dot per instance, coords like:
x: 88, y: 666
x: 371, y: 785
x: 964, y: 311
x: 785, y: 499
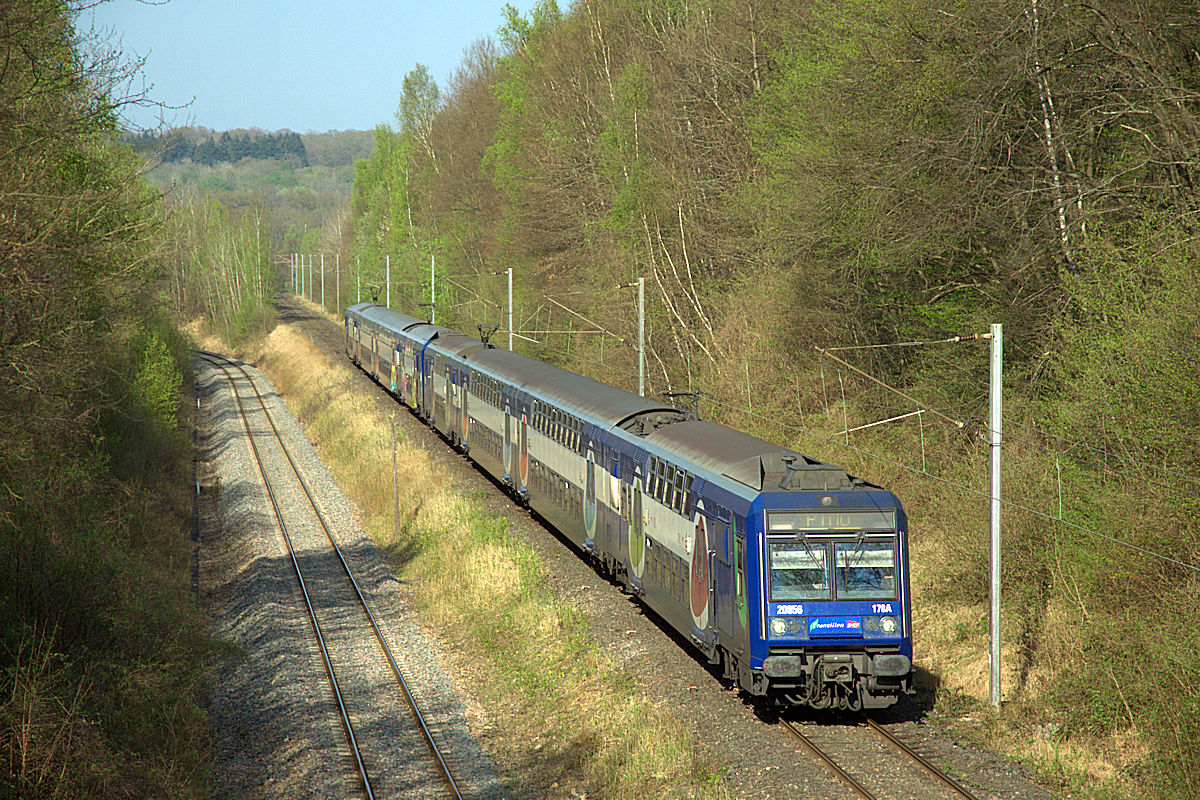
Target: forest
x: 103, y: 651
x: 871, y: 179
x: 176, y: 146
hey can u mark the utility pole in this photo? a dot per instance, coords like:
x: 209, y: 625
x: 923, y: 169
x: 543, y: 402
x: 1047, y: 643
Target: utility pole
x: 310, y: 278
x: 357, y: 281
x: 322, y: 281
x: 641, y: 337
x: 510, y: 328
x: 337, y: 280
x: 292, y: 264
x: 995, y: 419
x: 387, y: 272
x: 432, y: 294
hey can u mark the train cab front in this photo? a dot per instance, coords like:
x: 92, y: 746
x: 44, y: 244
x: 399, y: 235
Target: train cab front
x: 835, y: 603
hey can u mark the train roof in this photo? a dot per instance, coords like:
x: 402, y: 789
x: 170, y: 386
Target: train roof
x: 387, y: 317
x: 608, y: 404
x: 456, y: 344
x: 747, y: 459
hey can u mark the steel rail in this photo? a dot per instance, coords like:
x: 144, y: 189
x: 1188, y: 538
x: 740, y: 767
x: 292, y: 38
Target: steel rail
x: 921, y: 761
x: 312, y: 613
x: 843, y: 776
x: 419, y: 717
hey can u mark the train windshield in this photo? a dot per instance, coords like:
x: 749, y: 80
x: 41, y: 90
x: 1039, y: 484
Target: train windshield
x: 799, y: 572
x: 863, y: 569
x: 866, y: 570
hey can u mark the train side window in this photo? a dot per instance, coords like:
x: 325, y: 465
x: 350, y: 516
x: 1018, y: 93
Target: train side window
x: 653, y: 480
x: 669, y: 489
x: 687, y: 495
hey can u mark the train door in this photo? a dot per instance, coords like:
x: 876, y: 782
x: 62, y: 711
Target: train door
x: 465, y: 403
x: 395, y: 359
x: 405, y: 361
x: 349, y: 325
x: 637, y: 532
x: 374, y: 357
x: 509, y: 472
x: 426, y: 370
x: 452, y: 404
x: 741, y: 621
x: 439, y: 392
x: 589, y: 501
x: 523, y: 454
x: 610, y: 491
x: 724, y: 579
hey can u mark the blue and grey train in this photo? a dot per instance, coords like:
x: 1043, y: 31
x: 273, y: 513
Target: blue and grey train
x: 790, y: 574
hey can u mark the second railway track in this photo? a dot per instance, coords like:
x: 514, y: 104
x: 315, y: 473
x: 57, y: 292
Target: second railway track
x: 363, y: 674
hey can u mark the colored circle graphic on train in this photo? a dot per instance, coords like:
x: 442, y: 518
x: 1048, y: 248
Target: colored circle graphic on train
x: 699, y: 581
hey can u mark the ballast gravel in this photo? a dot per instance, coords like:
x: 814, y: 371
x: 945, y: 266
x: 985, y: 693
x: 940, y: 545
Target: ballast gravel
x: 278, y: 730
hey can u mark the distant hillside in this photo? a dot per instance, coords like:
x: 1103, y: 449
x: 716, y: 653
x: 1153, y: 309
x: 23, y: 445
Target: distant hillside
x: 200, y: 145
x: 301, y: 180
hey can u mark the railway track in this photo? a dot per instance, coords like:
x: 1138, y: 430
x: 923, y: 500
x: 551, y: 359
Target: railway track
x: 802, y: 732
x: 290, y: 483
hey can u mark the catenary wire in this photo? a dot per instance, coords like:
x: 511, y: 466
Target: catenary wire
x: 963, y: 487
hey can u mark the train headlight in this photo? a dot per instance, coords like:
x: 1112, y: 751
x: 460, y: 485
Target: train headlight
x: 791, y: 627
x: 881, y: 626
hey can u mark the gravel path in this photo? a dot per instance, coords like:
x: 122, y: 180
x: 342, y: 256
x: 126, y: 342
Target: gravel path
x: 278, y: 728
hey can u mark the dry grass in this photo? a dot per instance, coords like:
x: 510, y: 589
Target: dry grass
x: 575, y: 715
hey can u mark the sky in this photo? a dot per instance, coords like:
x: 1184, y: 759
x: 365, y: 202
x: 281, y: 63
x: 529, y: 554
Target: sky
x: 302, y: 65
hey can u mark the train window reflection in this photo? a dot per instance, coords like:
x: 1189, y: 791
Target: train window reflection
x: 866, y: 570
x: 799, y: 572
